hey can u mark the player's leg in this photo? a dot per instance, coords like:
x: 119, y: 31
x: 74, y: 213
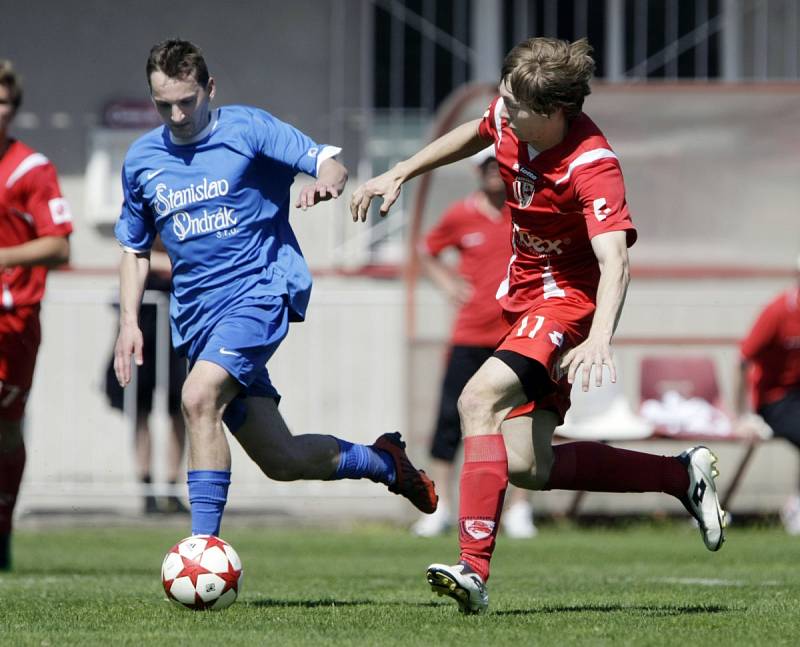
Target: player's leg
x: 176, y: 444
x: 462, y: 363
x: 20, y: 335
x: 286, y: 457
x: 12, y: 464
x: 143, y: 451
x: 207, y: 391
x: 783, y: 417
x: 485, y: 402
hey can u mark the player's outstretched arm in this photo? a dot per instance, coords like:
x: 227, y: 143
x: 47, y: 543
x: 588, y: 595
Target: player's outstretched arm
x: 611, y: 250
x: 329, y: 185
x: 133, y: 269
x: 49, y: 251
x: 455, y: 145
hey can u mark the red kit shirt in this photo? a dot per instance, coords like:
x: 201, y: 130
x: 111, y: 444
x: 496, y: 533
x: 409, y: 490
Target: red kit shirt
x: 31, y: 206
x: 559, y: 199
x: 773, y: 349
x: 483, y: 242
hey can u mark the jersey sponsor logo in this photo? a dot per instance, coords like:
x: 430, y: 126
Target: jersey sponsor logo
x: 523, y: 192
x: 526, y: 172
x: 473, y: 239
x: 151, y: 174
x: 184, y: 225
x: 168, y: 200
x: 59, y: 211
x: 539, y: 245
x: 601, y: 211
x: 477, y: 528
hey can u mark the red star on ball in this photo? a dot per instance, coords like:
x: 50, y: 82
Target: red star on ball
x: 231, y: 579
x: 191, y: 569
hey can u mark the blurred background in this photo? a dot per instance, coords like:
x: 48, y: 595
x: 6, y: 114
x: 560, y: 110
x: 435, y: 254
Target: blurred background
x: 699, y: 98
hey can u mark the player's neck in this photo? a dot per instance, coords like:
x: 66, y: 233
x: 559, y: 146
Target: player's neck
x: 491, y: 203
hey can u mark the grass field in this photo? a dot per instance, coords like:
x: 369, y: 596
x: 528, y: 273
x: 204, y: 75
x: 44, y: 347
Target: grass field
x: 641, y: 585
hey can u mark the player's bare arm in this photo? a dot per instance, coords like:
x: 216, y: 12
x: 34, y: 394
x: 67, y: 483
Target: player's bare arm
x: 612, y: 254
x: 459, y: 143
x: 133, y: 269
x: 49, y: 251
x: 329, y: 185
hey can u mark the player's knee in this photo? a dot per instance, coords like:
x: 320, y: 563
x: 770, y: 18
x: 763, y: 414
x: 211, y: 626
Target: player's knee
x: 197, y: 400
x: 475, y: 410
x: 530, y: 473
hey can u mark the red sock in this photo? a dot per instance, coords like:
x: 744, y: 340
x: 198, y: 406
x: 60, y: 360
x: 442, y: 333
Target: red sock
x: 12, y: 464
x: 595, y: 467
x: 484, y: 480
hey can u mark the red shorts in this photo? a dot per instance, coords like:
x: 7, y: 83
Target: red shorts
x: 20, y: 335
x: 545, y: 332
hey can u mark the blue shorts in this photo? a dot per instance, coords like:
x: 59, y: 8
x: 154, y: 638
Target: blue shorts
x: 242, y: 342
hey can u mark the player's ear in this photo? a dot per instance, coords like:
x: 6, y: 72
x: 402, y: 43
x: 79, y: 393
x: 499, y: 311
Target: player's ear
x: 211, y: 87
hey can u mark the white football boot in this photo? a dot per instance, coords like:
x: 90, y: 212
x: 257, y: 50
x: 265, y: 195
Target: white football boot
x: 432, y: 525
x: 701, y: 498
x: 462, y: 584
x: 517, y: 521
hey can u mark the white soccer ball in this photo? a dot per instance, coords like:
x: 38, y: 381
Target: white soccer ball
x: 202, y: 572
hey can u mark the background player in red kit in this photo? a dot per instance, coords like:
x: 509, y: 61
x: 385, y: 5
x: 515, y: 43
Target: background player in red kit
x: 562, y: 297
x: 479, y: 228
x: 770, y: 366
x: 35, y: 223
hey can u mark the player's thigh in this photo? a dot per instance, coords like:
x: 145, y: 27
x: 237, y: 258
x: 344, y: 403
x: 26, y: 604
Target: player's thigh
x: 494, y: 390
x: 208, y: 388
x: 20, y: 335
x: 529, y: 445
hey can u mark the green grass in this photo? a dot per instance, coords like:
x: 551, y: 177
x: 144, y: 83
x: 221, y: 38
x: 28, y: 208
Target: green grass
x: 642, y: 585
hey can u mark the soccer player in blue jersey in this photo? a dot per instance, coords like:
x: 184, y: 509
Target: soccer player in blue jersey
x: 214, y: 185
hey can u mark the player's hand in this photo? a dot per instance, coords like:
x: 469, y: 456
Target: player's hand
x: 386, y: 186
x: 459, y: 292
x: 591, y: 354
x: 311, y: 194
x: 129, y: 342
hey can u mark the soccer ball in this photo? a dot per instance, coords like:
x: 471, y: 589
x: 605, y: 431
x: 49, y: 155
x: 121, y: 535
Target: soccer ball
x: 202, y: 572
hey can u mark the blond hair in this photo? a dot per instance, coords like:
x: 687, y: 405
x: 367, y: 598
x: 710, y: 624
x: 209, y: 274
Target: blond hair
x: 10, y: 79
x: 546, y: 74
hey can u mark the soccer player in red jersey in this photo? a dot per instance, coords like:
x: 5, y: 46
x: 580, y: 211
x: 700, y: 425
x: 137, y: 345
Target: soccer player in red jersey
x: 35, y: 224
x: 770, y: 365
x: 479, y: 229
x: 562, y: 298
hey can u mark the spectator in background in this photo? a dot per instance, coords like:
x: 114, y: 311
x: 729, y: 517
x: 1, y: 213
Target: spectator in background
x: 158, y: 280
x: 35, y: 224
x: 479, y: 227
x: 770, y: 366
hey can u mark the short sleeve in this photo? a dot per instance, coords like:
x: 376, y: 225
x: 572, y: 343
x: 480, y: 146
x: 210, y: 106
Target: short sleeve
x: 763, y: 332
x: 277, y: 140
x: 43, y: 201
x: 135, y: 228
x: 600, y: 190
x: 444, y: 234
x: 491, y: 124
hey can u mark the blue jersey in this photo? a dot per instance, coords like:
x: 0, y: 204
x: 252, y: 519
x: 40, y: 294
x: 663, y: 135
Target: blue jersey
x: 220, y: 203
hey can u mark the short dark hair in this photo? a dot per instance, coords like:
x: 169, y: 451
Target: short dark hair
x: 178, y: 59
x: 547, y: 74
x: 10, y: 79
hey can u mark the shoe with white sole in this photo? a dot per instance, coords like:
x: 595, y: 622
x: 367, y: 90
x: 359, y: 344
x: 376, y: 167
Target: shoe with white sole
x: 432, y: 525
x: 462, y: 584
x: 701, y: 498
x: 517, y: 521
x: 790, y: 515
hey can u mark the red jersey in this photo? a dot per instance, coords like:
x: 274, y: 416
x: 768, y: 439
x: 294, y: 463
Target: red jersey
x: 483, y: 242
x: 773, y: 349
x: 31, y: 206
x: 560, y: 199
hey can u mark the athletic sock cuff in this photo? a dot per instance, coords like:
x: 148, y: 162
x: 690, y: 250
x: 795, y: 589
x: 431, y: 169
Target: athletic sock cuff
x: 485, y: 449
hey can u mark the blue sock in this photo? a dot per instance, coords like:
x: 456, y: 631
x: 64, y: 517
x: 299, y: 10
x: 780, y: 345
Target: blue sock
x: 362, y: 461
x: 208, y: 493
